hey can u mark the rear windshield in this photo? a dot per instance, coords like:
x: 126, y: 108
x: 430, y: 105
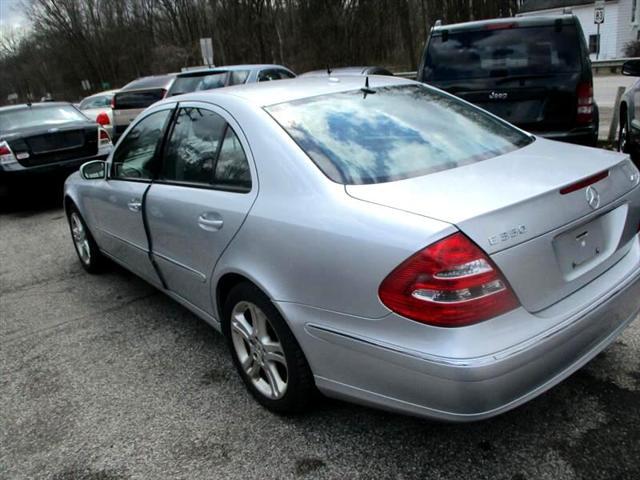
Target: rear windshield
x: 39, y: 116
x: 138, y: 99
x: 398, y: 132
x: 502, y: 53
x: 101, y: 101
x: 198, y: 82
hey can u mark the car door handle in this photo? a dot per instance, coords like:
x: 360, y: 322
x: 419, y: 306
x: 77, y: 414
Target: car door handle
x: 135, y: 205
x: 210, y: 222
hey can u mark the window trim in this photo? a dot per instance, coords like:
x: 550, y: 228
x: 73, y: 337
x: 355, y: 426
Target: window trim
x: 213, y: 186
x: 157, y: 154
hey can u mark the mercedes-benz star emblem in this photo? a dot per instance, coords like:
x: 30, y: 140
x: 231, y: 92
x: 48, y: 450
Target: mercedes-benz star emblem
x: 593, y: 197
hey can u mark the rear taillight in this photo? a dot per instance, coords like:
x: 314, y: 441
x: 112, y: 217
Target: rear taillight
x: 7, y: 158
x: 584, y: 113
x: 450, y: 283
x: 103, y: 138
x: 103, y: 119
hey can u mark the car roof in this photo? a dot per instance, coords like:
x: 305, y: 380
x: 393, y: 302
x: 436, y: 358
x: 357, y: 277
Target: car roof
x: 354, y: 70
x: 271, y: 93
x: 99, y: 94
x: 229, y: 68
x: 154, y: 81
x: 524, y: 21
x: 24, y: 106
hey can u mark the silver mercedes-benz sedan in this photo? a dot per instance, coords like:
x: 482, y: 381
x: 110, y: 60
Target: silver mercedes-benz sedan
x: 375, y: 239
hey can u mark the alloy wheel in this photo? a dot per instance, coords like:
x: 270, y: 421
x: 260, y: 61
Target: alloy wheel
x: 259, y: 350
x: 80, y: 238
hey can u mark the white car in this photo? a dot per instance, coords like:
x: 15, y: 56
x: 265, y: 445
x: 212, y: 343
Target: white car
x: 98, y: 107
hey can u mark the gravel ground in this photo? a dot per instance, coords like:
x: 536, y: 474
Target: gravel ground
x: 104, y: 378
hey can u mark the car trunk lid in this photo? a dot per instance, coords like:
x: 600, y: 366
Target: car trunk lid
x: 515, y: 200
x: 39, y: 146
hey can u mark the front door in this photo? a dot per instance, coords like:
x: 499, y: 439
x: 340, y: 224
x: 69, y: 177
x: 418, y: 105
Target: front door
x: 118, y: 208
x: 202, y: 195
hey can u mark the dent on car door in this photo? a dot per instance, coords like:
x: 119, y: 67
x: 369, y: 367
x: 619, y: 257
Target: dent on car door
x: 199, y: 200
x: 119, y: 205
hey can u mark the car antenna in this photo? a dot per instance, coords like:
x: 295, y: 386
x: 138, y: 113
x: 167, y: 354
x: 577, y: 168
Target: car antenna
x: 366, y: 90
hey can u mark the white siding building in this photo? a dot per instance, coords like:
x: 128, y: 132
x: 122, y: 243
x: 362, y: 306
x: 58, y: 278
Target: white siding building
x: 621, y: 21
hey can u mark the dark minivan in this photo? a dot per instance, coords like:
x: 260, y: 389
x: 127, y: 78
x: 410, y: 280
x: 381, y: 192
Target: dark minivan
x: 533, y: 71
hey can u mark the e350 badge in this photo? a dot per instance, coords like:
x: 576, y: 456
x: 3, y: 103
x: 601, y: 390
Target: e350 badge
x: 508, y: 235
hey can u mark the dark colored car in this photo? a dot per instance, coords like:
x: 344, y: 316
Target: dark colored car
x: 534, y: 72
x: 46, y: 138
x: 629, y: 131
x: 371, y: 70
x: 136, y: 96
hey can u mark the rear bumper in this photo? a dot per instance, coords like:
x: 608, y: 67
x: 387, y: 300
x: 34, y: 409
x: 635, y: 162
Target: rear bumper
x: 64, y: 168
x: 459, y: 387
x: 580, y: 136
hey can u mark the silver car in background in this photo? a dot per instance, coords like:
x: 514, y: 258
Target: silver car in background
x: 384, y: 243
x: 97, y: 108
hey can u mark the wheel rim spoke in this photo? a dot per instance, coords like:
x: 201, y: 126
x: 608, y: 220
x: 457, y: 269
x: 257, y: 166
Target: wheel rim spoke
x: 273, y: 353
x: 273, y: 379
x: 259, y: 350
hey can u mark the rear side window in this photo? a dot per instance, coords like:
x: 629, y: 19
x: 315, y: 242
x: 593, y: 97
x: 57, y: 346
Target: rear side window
x: 503, y: 52
x: 274, y: 74
x: 395, y: 133
x: 135, y: 154
x: 204, y: 150
x: 138, y: 99
x: 238, y: 77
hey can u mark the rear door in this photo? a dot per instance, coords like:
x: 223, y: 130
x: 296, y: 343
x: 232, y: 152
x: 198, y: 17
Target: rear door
x: 203, y: 193
x: 117, y: 208
x: 527, y: 75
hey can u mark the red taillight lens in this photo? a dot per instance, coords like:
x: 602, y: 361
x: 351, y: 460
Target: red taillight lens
x: 584, y: 114
x: 103, y: 135
x: 4, y: 150
x: 451, y: 283
x: 103, y: 119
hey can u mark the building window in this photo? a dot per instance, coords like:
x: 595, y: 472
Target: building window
x: 594, y: 43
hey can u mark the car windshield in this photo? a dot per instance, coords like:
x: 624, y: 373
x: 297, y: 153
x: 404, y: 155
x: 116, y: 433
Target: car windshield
x: 502, y: 52
x: 39, y: 116
x: 102, y: 101
x: 395, y: 133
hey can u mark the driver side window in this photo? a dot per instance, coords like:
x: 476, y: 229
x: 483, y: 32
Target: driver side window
x: 133, y: 158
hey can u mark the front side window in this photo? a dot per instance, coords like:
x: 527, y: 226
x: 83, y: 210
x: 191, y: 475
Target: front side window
x: 268, y: 75
x: 395, y: 133
x: 134, y: 155
x: 193, y: 146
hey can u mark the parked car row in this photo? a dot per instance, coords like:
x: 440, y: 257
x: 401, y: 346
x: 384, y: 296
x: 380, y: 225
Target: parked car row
x: 373, y: 238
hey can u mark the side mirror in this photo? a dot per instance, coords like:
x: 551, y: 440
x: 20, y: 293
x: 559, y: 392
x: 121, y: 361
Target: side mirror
x: 631, y: 68
x: 94, y: 170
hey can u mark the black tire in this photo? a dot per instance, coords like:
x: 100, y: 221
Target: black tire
x: 95, y: 261
x: 300, y: 390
